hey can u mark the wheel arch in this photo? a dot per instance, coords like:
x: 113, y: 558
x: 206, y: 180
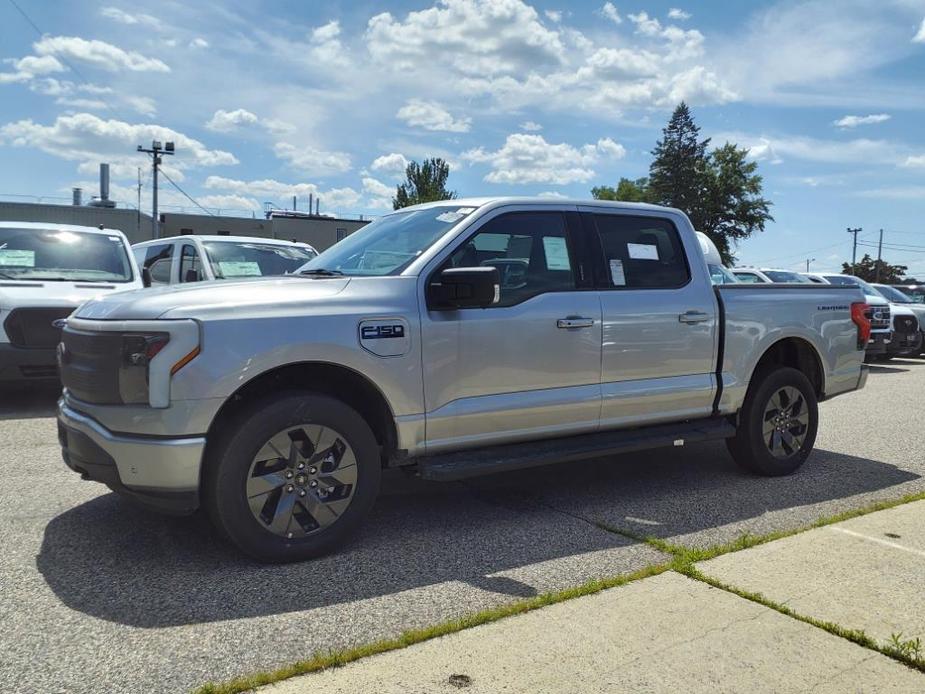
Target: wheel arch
x: 796, y: 353
x: 334, y: 380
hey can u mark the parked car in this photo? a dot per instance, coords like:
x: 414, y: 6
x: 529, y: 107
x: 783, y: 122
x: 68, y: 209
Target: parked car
x: 815, y: 278
x: 916, y: 292
x: 908, y: 333
x: 196, y: 258
x: 768, y: 275
x: 46, y: 271
x: 881, y: 334
x: 276, y: 403
x: 719, y: 273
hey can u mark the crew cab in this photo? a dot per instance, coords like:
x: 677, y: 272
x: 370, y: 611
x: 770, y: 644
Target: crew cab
x: 453, y: 339
x: 198, y: 258
x: 46, y: 271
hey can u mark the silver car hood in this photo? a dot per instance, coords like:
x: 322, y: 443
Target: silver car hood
x: 219, y: 296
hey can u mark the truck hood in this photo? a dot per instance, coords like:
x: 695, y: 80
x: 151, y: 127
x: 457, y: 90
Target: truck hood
x: 193, y: 300
x: 25, y: 294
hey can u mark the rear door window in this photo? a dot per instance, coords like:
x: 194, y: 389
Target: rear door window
x: 641, y: 252
x: 157, y: 262
x: 190, y: 264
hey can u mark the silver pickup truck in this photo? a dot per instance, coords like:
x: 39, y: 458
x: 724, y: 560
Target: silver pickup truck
x: 455, y: 339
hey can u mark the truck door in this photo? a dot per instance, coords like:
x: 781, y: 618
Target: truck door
x: 528, y: 366
x: 659, y: 321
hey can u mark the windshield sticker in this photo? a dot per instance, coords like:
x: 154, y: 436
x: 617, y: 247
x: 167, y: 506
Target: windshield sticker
x: 616, y: 273
x: 18, y: 258
x: 454, y: 216
x: 239, y: 268
x: 642, y: 251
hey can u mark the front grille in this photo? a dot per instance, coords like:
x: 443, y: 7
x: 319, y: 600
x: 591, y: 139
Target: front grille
x: 89, y: 364
x: 879, y: 317
x: 907, y: 325
x: 32, y: 327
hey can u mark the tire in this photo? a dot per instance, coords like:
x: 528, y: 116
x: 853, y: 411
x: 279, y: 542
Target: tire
x: 253, y: 480
x: 783, y: 451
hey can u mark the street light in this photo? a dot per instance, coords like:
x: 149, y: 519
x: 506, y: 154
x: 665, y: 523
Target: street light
x: 808, y: 261
x: 157, y: 149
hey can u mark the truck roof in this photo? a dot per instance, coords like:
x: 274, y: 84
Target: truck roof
x: 234, y: 239
x: 538, y: 200
x: 54, y: 226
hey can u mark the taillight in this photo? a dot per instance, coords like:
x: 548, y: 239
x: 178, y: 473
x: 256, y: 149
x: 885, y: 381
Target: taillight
x: 860, y: 315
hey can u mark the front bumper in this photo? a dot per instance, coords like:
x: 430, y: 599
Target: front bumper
x: 878, y: 344
x: 902, y: 343
x: 159, y: 472
x: 22, y: 364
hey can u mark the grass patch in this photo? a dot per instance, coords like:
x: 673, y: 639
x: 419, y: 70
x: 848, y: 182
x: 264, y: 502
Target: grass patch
x: 322, y: 661
x: 908, y: 652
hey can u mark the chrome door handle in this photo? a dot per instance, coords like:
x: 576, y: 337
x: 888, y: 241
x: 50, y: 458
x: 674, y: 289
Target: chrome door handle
x: 694, y: 317
x: 574, y: 322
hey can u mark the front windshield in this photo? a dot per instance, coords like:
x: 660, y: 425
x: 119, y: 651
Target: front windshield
x: 389, y: 244
x: 253, y: 259
x: 720, y: 275
x: 748, y: 277
x: 784, y: 276
x: 916, y: 293
x: 894, y: 295
x: 63, y: 255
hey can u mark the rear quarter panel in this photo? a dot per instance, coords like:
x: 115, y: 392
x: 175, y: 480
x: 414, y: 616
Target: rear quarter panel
x: 758, y: 316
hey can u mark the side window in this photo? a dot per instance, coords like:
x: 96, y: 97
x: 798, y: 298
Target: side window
x: 530, y: 250
x: 139, y: 254
x: 157, y: 262
x: 190, y: 265
x: 642, y: 252
x: 748, y: 278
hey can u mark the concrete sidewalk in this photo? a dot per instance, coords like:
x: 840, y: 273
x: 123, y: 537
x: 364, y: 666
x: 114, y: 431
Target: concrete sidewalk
x: 670, y: 632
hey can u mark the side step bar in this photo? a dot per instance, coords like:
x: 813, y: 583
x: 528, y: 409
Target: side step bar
x: 483, y: 461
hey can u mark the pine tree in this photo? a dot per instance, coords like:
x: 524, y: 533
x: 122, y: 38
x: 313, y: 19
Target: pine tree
x: 425, y: 182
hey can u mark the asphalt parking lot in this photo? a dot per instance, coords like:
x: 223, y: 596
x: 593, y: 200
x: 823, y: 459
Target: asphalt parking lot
x: 100, y: 596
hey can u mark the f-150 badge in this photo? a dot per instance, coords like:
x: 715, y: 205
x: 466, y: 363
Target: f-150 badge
x: 385, y: 337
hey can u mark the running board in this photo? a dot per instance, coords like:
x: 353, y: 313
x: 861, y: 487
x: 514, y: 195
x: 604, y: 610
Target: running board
x: 483, y: 461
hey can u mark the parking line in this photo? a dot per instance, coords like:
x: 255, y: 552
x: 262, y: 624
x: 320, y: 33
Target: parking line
x: 879, y: 541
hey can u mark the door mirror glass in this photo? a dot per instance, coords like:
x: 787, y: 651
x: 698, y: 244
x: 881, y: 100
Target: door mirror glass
x: 466, y: 287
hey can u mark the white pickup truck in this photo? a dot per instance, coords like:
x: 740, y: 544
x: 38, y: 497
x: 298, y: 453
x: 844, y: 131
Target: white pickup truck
x: 46, y: 271
x: 454, y: 339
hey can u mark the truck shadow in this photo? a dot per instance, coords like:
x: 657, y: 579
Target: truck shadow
x: 113, y: 561
x: 29, y: 401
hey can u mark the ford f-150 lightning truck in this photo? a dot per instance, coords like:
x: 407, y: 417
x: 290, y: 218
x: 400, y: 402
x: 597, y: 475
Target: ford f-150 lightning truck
x: 454, y: 339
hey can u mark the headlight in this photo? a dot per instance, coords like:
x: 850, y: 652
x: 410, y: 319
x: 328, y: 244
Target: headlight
x: 137, y: 352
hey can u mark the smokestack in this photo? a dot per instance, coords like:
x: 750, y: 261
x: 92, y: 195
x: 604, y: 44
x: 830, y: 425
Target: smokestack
x: 318, y: 206
x: 294, y: 207
x: 104, y: 182
x: 310, y: 198
x: 77, y: 200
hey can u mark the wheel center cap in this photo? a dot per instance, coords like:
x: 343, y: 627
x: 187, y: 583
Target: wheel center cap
x: 301, y: 479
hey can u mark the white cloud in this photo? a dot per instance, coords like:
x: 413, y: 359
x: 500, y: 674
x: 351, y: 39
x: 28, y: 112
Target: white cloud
x: 377, y: 187
x: 332, y: 198
x: 920, y: 35
x: 97, y: 53
x: 912, y: 192
x: 123, y: 17
x: 530, y: 126
x: 84, y: 137
x: 530, y: 159
x: 854, y: 121
x: 679, y: 14
x: 326, y: 47
x: 553, y: 15
x: 312, y: 160
x: 611, y: 13
x: 775, y: 149
x: 476, y: 37
x: 432, y: 116
x: 555, y: 194
x: 142, y: 104
x: 622, y: 62
x: 915, y: 160
x: 29, y: 67
x: 230, y: 203
x: 223, y: 121
x: 198, y: 42
x: 392, y: 165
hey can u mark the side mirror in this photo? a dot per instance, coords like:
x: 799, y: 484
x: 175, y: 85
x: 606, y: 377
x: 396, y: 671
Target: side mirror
x: 145, y: 277
x: 191, y: 275
x: 466, y: 287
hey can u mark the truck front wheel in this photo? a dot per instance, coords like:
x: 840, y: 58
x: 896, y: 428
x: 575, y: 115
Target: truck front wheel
x: 292, y: 476
x: 777, y: 424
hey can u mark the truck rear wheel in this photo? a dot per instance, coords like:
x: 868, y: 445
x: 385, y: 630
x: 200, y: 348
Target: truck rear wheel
x: 777, y: 424
x: 292, y: 476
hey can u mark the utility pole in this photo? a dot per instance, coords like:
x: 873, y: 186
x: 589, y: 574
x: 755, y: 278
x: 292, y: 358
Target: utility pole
x: 156, y: 151
x: 879, y: 255
x: 808, y: 261
x: 138, y: 207
x: 854, y: 248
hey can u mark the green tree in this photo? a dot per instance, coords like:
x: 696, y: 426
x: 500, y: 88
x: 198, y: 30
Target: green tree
x: 626, y: 190
x: 425, y: 182
x: 720, y: 190
x: 867, y: 270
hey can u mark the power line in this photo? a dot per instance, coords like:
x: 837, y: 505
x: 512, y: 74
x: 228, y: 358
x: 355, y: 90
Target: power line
x: 188, y: 196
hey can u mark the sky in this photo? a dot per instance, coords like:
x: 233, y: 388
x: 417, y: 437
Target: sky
x: 266, y: 100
